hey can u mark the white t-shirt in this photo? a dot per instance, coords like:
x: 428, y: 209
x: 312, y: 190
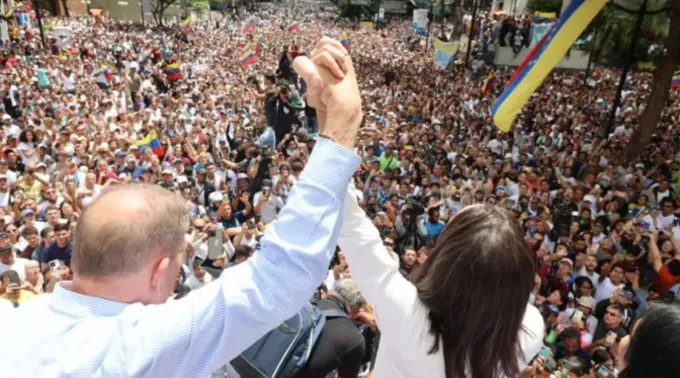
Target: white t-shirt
x: 19, y: 266
x: 594, y: 277
x: 270, y: 209
x: 662, y: 222
x: 605, y: 290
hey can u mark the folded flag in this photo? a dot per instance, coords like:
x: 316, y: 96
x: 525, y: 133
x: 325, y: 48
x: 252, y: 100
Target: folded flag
x: 344, y: 40
x: 250, y: 26
x: 542, y: 59
x: 676, y: 81
x: 248, y: 58
x: 595, y: 75
x: 152, y: 142
x: 294, y: 27
x: 258, y: 47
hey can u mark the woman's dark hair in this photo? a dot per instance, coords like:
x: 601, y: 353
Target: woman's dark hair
x: 476, y: 284
x: 24, y: 139
x: 579, y: 281
x: 654, y: 349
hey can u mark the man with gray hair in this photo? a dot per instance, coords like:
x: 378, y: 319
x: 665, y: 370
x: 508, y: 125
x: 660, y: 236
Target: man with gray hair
x: 115, y: 320
x: 341, y: 347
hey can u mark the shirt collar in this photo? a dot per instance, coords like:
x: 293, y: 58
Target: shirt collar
x: 80, y: 306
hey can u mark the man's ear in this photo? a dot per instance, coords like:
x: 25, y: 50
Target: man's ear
x: 159, y: 272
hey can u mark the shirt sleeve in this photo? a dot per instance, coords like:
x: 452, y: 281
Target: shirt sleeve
x: 194, y: 336
x: 374, y: 270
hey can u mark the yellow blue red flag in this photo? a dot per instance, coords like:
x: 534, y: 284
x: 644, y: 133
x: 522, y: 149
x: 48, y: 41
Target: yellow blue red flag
x: 344, y: 40
x: 249, y: 57
x: 542, y: 59
x: 676, y: 81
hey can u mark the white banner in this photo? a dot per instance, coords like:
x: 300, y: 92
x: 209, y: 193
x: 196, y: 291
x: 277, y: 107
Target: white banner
x: 420, y: 21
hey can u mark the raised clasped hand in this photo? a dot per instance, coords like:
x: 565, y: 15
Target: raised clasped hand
x: 332, y: 90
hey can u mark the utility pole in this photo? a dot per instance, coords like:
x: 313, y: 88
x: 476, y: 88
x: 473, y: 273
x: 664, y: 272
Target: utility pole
x: 429, y: 23
x: 40, y: 25
x: 472, y: 32
x: 626, y: 68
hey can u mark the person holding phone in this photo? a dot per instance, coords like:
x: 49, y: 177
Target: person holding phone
x: 610, y: 330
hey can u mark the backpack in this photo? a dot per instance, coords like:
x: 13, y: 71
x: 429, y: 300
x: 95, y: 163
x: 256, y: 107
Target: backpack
x: 283, y: 351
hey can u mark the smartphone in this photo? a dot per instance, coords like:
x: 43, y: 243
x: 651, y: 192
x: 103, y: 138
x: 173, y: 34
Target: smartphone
x: 215, y: 242
x: 545, y: 353
x: 604, y: 372
x: 54, y: 265
x: 578, y: 314
x: 611, y: 338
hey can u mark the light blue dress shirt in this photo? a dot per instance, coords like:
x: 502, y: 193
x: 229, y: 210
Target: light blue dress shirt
x: 66, y: 334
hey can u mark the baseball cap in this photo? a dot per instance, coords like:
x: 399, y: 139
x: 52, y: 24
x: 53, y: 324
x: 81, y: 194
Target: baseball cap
x: 567, y: 261
x: 266, y: 183
x: 242, y: 176
x: 587, y: 301
x: 216, y: 197
x: 167, y: 171
x: 130, y: 158
x: 27, y: 212
x: 119, y: 153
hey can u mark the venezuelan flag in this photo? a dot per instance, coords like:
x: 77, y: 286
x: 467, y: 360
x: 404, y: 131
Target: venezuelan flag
x: 344, y: 40
x: 487, y: 84
x: 106, y: 72
x: 248, y: 58
x: 249, y: 27
x: 173, y: 71
x: 542, y: 59
x: 676, y: 81
x: 150, y: 141
x: 294, y: 27
x: 258, y: 47
x: 185, y: 25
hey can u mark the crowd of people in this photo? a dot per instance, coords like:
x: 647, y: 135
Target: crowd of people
x: 179, y: 107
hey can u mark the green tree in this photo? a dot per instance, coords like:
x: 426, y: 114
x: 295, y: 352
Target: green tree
x: 663, y: 75
x: 613, y: 29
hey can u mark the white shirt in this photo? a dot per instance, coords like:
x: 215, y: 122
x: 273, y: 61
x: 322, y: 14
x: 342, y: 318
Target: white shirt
x: 401, y: 316
x: 270, y: 209
x: 594, y: 277
x: 662, y: 222
x: 5, y: 306
x: 605, y: 289
x: 195, y: 283
x: 19, y: 266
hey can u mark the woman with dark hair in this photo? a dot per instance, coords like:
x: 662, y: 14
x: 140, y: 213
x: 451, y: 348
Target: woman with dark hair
x: 465, y: 313
x: 28, y: 147
x: 654, y: 348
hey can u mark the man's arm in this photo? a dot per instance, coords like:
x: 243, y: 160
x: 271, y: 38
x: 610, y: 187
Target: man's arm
x: 213, y: 325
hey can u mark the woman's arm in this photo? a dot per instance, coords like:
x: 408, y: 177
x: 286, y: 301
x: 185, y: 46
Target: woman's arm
x: 374, y: 270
